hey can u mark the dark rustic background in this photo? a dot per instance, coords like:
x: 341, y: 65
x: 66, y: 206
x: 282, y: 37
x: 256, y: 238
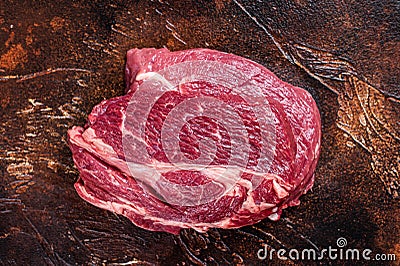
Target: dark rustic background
x: 59, y: 59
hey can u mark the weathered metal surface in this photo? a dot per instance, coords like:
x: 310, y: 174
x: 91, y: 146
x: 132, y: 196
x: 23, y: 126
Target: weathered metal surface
x: 59, y: 59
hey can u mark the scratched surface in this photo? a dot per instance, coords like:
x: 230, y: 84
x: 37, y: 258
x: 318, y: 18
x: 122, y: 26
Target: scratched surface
x: 58, y: 60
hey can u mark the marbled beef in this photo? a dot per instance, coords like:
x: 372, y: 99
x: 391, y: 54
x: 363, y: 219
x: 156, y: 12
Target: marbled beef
x: 201, y: 139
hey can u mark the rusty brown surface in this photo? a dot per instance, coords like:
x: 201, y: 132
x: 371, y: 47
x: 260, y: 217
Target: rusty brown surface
x: 59, y: 59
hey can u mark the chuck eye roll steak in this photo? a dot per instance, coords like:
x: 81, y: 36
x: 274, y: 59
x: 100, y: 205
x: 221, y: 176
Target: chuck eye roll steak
x: 201, y: 139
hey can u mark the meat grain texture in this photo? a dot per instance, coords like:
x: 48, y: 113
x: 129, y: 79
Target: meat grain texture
x: 107, y: 181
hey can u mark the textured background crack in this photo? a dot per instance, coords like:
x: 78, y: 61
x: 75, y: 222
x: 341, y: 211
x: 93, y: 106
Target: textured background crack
x: 365, y: 114
x: 57, y: 60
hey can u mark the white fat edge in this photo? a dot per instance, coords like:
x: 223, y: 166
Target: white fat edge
x: 144, y: 75
x: 202, y: 227
x: 273, y: 216
x: 249, y: 203
x: 316, y: 149
x: 222, y: 172
x: 115, y: 179
x: 280, y: 191
x: 156, y: 76
x: 123, y: 118
x: 225, y: 175
x: 91, y: 143
x: 114, y: 206
x: 89, y: 135
x: 214, y: 172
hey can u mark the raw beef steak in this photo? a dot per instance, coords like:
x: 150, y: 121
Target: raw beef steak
x: 201, y: 139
